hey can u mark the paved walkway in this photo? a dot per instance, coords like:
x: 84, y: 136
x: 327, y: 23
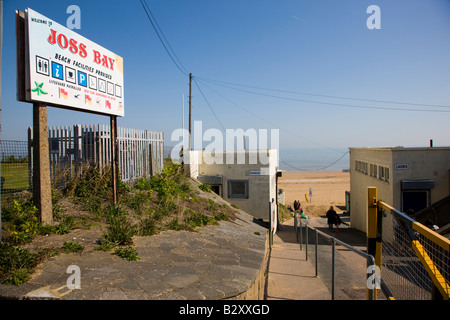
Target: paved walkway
x: 292, y: 277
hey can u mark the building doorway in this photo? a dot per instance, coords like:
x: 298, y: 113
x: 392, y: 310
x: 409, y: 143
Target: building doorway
x: 414, y: 200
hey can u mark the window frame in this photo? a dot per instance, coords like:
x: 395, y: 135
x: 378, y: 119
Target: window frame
x: 232, y: 195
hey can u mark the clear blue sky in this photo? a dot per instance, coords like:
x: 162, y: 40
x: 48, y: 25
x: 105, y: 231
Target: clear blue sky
x: 319, y: 47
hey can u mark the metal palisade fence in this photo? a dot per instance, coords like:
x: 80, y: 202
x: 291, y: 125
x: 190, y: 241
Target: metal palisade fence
x: 141, y: 152
x: 15, y: 174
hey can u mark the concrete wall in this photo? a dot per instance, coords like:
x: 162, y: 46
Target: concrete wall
x: 422, y: 164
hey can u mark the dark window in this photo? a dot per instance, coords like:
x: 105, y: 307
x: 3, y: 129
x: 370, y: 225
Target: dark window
x: 414, y: 201
x: 238, y: 189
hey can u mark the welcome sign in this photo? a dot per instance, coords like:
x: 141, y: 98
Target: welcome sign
x: 67, y: 70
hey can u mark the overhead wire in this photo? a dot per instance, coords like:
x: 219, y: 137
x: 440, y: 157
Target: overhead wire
x: 209, y: 105
x: 230, y: 86
x: 267, y: 121
x: 281, y: 128
x: 162, y: 38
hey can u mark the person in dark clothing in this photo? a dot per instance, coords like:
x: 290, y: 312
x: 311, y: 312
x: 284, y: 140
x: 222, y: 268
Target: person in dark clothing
x: 332, y: 218
x: 296, y: 205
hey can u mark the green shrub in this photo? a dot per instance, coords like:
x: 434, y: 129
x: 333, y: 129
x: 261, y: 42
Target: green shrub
x: 175, y: 225
x: 16, y: 264
x: 140, y: 200
x: 220, y: 216
x: 23, y: 223
x: 143, y: 184
x: 147, y: 226
x: 71, y: 246
x: 197, y: 219
x: 68, y: 223
x: 128, y: 253
x: 205, y: 187
x: 212, y: 205
x: 120, y: 230
x: 170, y: 183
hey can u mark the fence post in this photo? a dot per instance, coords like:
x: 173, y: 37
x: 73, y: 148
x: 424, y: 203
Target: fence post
x: 301, y: 235
x: 333, y: 267
x: 30, y: 159
x: 306, y: 240
x: 295, y: 224
x: 114, y: 159
x: 270, y: 225
x: 373, y: 247
x: 317, y: 253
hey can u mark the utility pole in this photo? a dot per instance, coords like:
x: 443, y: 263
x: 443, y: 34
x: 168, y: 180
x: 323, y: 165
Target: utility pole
x: 190, y: 111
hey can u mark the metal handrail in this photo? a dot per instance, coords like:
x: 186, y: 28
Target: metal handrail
x: 369, y: 257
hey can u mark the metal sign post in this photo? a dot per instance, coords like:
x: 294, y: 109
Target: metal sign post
x: 114, y: 159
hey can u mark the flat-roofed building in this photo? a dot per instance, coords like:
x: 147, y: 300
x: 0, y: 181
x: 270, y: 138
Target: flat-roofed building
x: 409, y: 179
x: 246, y: 178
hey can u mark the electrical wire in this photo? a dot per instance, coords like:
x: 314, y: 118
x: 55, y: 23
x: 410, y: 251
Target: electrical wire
x: 267, y: 121
x: 162, y: 38
x: 275, y: 125
x: 209, y: 105
x: 221, y: 83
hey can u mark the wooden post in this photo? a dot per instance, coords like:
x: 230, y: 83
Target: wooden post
x: 114, y: 159
x: 42, y: 192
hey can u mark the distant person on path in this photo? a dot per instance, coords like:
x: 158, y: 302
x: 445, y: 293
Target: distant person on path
x: 333, y: 218
x: 296, y: 205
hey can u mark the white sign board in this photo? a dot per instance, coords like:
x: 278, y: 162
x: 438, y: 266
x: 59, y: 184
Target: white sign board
x: 65, y: 69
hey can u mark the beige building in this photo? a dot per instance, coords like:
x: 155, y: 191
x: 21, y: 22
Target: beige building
x: 409, y: 179
x: 247, y: 179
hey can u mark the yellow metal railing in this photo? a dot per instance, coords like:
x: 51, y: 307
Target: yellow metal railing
x: 414, y: 258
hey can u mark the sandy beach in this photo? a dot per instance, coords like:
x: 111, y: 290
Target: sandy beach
x: 328, y: 188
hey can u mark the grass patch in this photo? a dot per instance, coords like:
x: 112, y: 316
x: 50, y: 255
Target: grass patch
x: 127, y: 253
x: 15, y: 175
x: 17, y: 264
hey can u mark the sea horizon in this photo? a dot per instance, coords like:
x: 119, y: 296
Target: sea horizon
x: 307, y: 159
x: 313, y: 159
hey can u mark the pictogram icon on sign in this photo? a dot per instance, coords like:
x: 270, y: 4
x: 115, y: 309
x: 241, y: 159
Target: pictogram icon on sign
x: 110, y: 88
x: 118, y: 91
x: 92, y: 82
x: 82, y: 79
x: 70, y: 75
x: 42, y: 66
x: 102, y: 85
x: 57, y: 71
